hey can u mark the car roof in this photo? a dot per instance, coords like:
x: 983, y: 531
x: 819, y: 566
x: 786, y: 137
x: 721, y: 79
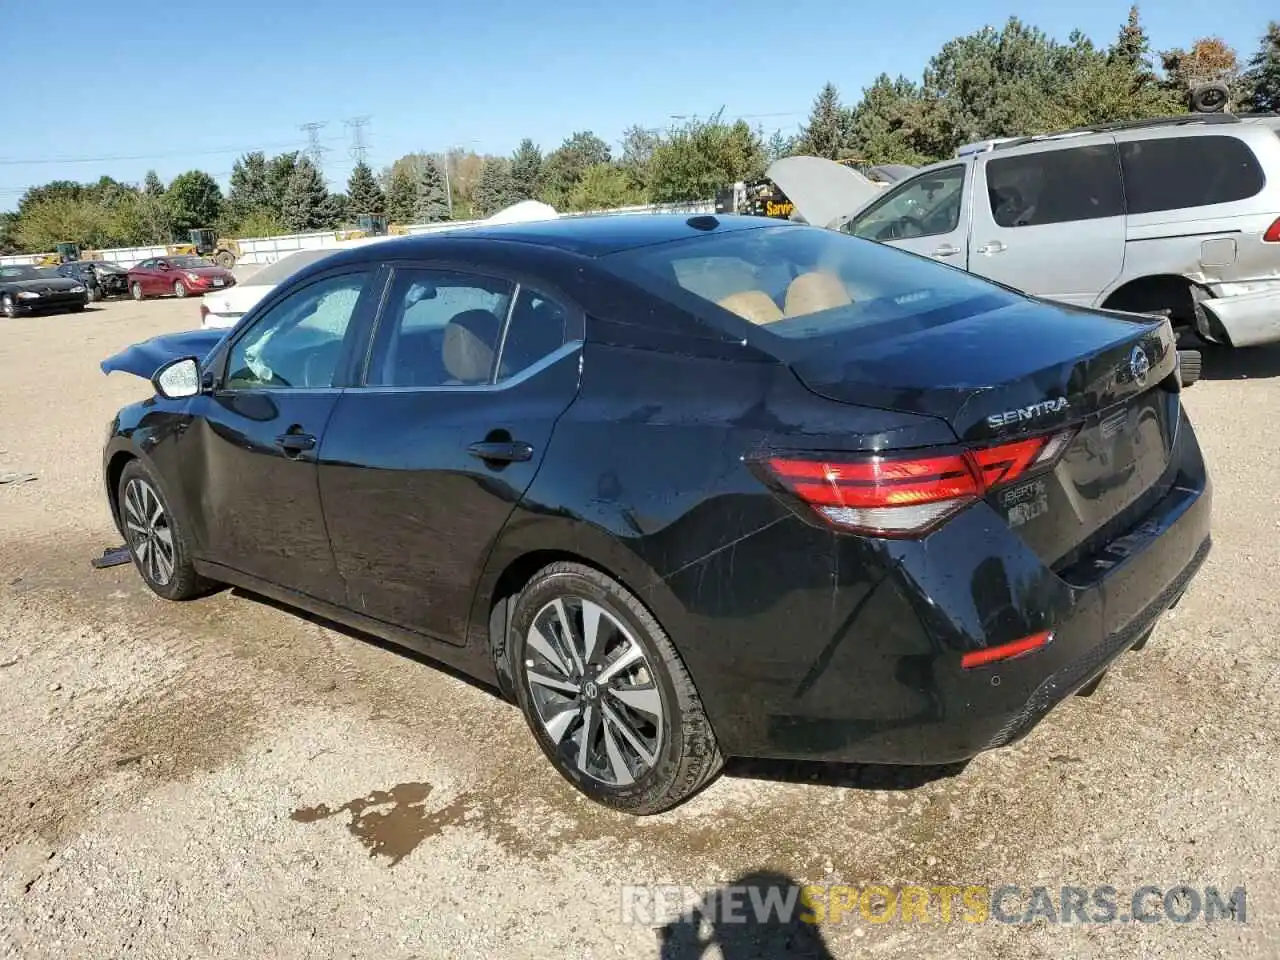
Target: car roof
x: 589, y: 236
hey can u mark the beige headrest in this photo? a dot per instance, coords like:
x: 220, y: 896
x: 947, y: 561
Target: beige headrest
x: 469, y: 341
x: 754, y: 305
x: 811, y: 292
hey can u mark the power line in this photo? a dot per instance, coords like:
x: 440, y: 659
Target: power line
x: 314, y: 149
x: 359, y: 149
x: 10, y: 161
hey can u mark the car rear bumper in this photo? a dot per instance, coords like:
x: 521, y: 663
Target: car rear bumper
x: 868, y: 668
x: 1249, y: 314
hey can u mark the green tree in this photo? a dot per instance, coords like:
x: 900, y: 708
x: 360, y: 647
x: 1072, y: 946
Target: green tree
x: 334, y: 210
x: 248, y: 188
x: 526, y: 169
x: 304, y: 198
x: 1132, y: 47
x: 8, y: 234
x: 152, y: 185
x: 826, y: 133
x: 280, y: 171
x: 364, y: 196
x: 430, y: 204
x: 1262, y: 79
x: 193, y: 199
x: 884, y: 126
x: 603, y: 187
x: 779, y: 146
x: 260, y: 222
x: 695, y: 160
x: 566, y: 164
x: 51, y: 221
x: 638, y: 144
x: 402, y: 192
x: 496, y: 190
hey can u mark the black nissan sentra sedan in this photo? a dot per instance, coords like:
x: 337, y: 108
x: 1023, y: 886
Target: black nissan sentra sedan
x: 683, y: 488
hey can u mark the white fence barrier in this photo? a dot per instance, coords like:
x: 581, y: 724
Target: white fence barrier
x: 264, y: 250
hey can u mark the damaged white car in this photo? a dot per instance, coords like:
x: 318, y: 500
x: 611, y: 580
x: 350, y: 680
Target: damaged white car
x: 1179, y: 216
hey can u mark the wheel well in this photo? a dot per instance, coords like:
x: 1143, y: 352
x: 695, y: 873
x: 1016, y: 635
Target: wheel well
x: 1160, y: 292
x: 508, y: 586
x: 115, y: 467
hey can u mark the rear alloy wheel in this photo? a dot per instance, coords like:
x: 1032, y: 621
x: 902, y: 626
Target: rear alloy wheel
x: 606, y: 695
x: 8, y: 307
x: 179, y: 288
x: 157, y: 542
x: 136, y: 289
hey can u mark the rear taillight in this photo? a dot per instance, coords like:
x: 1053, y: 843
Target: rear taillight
x: 899, y: 495
x: 1273, y: 232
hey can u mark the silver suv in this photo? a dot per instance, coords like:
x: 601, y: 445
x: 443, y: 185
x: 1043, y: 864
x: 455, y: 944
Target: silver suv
x: 1179, y: 215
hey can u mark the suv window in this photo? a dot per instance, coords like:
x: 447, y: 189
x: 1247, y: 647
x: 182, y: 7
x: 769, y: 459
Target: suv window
x: 1055, y: 186
x: 925, y: 206
x: 439, y: 328
x: 298, y: 341
x: 1170, y: 173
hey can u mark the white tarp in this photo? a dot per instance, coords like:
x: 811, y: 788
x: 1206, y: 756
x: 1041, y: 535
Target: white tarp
x: 822, y: 190
x: 526, y: 211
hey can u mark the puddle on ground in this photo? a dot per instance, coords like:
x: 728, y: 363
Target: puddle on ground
x: 391, y: 823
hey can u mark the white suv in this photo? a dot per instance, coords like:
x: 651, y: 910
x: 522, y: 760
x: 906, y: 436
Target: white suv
x: 1178, y: 215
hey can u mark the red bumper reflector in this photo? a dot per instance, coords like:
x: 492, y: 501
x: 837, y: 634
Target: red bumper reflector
x: 1005, y: 651
x: 1273, y: 232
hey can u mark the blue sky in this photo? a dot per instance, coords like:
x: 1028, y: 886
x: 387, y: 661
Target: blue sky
x: 154, y: 83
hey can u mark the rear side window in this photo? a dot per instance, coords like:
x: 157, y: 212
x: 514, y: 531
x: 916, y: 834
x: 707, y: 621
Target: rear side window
x: 1175, y: 172
x: 1056, y: 186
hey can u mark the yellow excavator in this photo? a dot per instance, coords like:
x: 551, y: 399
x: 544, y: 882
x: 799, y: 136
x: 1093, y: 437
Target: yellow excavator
x: 207, y: 243
x: 64, y: 253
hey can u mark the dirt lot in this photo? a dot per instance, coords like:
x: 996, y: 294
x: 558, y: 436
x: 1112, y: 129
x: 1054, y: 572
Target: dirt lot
x: 225, y: 778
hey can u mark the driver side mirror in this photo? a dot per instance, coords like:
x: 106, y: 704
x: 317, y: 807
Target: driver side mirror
x: 178, y: 379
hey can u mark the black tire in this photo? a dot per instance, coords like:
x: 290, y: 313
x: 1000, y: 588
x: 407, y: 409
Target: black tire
x: 135, y: 289
x: 183, y: 583
x: 687, y: 756
x: 179, y: 289
x: 1209, y: 97
x: 8, y: 307
x: 225, y: 259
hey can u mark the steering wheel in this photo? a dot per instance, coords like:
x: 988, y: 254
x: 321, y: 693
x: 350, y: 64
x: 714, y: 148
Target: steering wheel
x: 893, y: 229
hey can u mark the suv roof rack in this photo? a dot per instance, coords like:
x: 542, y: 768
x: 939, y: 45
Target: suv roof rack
x: 1004, y: 143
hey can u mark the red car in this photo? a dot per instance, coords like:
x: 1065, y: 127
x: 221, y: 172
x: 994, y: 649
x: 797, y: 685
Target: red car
x: 179, y: 276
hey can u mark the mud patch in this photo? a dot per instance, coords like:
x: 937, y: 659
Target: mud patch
x: 392, y: 823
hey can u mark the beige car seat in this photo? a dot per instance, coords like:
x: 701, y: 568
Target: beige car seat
x: 753, y: 305
x: 814, y: 291
x: 469, y: 341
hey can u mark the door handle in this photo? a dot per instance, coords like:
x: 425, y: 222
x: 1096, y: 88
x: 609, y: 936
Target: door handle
x: 946, y: 250
x: 990, y: 247
x: 501, y: 451
x: 294, y: 444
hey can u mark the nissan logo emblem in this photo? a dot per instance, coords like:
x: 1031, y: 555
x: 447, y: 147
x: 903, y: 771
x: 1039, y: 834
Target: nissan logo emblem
x: 1139, y: 365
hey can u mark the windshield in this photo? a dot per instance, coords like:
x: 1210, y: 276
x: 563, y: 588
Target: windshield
x: 28, y: 273
x: 188, y: 262
x: 802, y: 283
x: 287, y: 266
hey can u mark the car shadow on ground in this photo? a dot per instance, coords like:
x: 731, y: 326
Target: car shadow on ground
x: 1247, y: 363
x: 758, y: 915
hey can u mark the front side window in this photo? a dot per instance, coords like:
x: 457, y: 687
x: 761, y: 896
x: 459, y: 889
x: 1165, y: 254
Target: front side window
x: 1055, y: 186
x: 439, y: 328
x: 803, y: 283
x: 925, y: 206
x: 298, y: 341
x: 1170, y: 173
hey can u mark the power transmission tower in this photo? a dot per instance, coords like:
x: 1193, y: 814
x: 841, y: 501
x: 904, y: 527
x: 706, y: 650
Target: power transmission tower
x: 359, y: 149
x: 315, y: 150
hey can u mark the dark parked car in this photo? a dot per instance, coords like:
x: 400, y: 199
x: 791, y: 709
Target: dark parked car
x: 25, y: 290
x: 179, y: 276
x: 100, y: 278
x: 683, y: 489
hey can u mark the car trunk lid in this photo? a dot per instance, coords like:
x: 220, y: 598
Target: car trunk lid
x: 1029, y: 369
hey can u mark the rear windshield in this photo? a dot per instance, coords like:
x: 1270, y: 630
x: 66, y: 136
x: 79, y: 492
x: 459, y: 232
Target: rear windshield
x: 803, y: 283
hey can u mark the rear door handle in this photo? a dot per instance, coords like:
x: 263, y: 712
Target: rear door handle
x: 294, y: 444
x: 946, y: 250
x: 501, y: 451
x: 990, y: 247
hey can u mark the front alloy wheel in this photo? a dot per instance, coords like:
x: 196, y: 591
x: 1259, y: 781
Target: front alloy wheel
x: 155, y: 537
x: 605, y: 693
x: 8, y: 307
x: 179, y: 288
x: 136, y: 289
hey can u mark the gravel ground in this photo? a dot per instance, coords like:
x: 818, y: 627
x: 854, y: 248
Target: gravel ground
x: 228, y: 778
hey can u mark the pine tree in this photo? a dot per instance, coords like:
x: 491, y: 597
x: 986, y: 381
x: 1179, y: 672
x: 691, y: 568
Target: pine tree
x: 1132, y: 46
x: 824, y: 135
x: 364, y: 196
x: 526, y: 170
x: 1263, y: 76
x: 496, y: 190
x: 304, y: 198
x: 430, y: 204
x: 153, y: 186
x: 402, y: 193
